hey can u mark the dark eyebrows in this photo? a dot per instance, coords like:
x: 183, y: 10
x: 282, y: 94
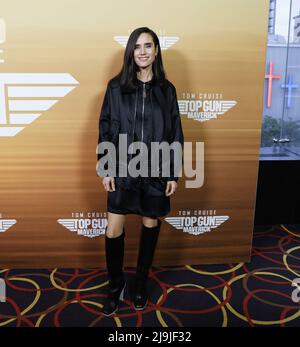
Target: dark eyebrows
x: 146, y: 43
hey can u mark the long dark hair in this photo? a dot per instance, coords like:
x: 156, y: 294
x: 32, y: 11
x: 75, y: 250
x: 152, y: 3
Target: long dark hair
x: 128, y: 75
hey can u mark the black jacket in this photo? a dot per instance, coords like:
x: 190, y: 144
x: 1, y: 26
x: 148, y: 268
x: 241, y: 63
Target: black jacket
x: 117, y: 117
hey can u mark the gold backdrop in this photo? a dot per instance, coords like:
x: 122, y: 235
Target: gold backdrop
x: 56, y: 58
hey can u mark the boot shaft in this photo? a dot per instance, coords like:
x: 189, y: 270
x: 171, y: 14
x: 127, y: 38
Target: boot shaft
x: 147, y: 246
x: 114, y: 253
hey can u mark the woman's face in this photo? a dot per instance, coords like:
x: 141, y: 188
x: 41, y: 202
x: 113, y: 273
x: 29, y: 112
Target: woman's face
x: 144, y: 52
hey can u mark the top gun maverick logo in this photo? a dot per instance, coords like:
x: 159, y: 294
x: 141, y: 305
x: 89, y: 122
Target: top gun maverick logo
x: 204, y: 106
x: 197, y: 222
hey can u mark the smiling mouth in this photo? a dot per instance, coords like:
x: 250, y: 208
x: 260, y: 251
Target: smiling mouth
x: 143, y: 58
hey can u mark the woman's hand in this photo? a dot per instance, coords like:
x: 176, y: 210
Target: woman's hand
x: 171, y: 188
x: 109, y: 184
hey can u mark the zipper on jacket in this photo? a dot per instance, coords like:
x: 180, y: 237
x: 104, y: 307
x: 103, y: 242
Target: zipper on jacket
x: 134, y: 117
x: 144, y: 96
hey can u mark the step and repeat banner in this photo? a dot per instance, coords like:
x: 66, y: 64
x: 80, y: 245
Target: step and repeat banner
x: 56, y: 58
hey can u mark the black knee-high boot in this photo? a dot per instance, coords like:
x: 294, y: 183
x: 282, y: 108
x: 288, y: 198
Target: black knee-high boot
x: 148, y: 241
x: 114, y: 252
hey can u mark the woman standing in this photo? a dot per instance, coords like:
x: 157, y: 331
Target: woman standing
x: 142, y: 104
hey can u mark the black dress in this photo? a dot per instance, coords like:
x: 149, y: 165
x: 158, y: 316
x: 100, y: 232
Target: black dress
x: 146, y: 196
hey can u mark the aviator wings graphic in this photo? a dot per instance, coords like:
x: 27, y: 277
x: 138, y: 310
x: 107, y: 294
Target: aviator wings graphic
x: 23, y: 96
x: 69, y: 224
x: 6, y: 224
x: 164, y: 41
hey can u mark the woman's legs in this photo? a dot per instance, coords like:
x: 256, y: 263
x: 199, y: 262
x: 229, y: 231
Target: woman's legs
x: 114, y: 246
x: 149, y: 222
x: 115, y: 224
x: 148, y: 239
x: 114, y: 252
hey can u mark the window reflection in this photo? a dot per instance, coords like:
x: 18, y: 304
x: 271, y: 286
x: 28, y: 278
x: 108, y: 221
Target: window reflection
x: 280, y: 138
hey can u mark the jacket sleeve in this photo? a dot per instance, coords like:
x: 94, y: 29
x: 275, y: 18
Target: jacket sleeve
x: 104, y: 124
x: 176, y: 135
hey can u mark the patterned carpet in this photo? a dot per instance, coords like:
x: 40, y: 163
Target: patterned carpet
x: 232, y: 295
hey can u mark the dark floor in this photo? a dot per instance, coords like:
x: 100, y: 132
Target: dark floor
x: 253, y: 294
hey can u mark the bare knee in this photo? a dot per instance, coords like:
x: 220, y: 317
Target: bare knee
x: 112, y: 232
x: 115, y: 225
x: 150, y: 222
